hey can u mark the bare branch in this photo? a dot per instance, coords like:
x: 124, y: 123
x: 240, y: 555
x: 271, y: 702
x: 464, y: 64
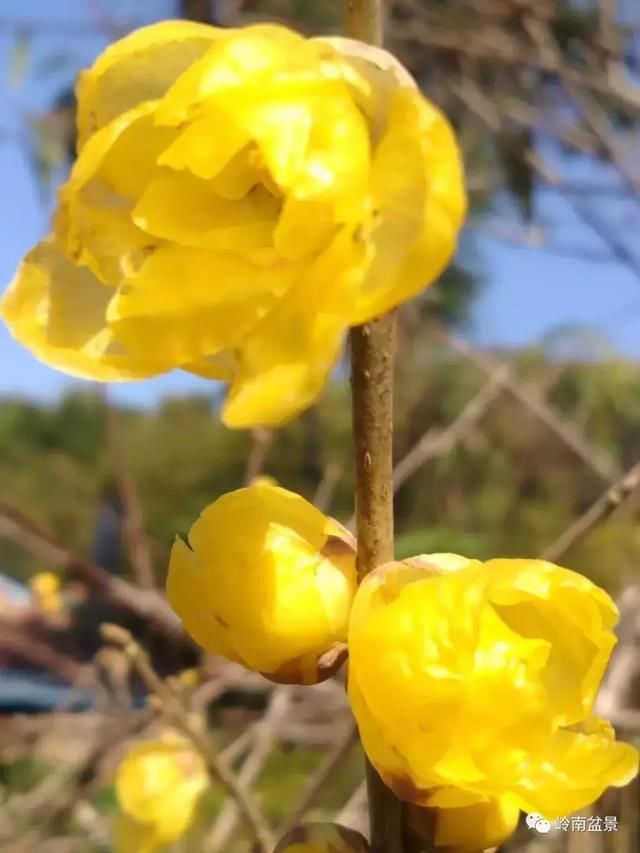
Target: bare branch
x: 435, y: 442
x: 595, y: 457
x: 605, y: 506
x: 175, y: 711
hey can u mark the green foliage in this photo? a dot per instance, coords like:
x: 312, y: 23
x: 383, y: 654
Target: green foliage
x: 508, y: 488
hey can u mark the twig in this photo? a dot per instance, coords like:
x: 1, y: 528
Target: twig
x: 178, y: 714
x: 372, y: 379
x: 489, y: 112
x: 351, y: 813
x: 598, y: 512
x: 16, y: 641
x: 147, y: 604
x: 435, y: 443
x: 327, y: 486
x: 264, y: 735
x: 321, y: 777
x: 139, y: 545
x: 364, y: 20
x: 499, y: 47
x: 595, y: 457
x: 261, y: 441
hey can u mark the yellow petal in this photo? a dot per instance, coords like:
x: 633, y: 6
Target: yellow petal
x: 240, y: 56
x: 135, y: 155
x: 207, y: 144
x: 197, y: 302
x: 337, y: 162
x: 141, y: 67
x: 190, y: 597
x: 221, y: 366
x: 579, y: 765
x: 305, y: 227
x: 184, y: 210
x: 373, y: 76
x: 575, y: 617
x: 413, y: 241
x: 476, y: 827
x: 284, y: 362
x: 93, y: 223
x: 277, y: 117
x: 57, y: 310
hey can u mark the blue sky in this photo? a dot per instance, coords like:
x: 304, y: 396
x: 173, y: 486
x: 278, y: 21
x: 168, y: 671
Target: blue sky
x: 527, y: 293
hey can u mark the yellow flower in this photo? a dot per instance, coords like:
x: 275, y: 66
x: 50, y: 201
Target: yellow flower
x: 268, y: 582
x: 322, y: 838
x: 241, y: 197
x: 473, y: 685
x: 158, y: 786
x: 46, y: 590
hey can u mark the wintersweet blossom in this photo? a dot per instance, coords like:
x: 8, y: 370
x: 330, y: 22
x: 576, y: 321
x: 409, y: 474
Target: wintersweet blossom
x: 45, y: 587
x: 158, y: 786
x: 240, y: 198
x: 266, y: 581
x: 473, y: 685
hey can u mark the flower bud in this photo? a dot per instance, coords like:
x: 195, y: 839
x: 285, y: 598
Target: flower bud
x: 266, y: 581
x: 46, y: 591
x: 158, y: 786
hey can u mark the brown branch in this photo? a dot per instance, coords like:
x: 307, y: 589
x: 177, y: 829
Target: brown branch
x: 435, y: 442
x: 320, y: 779
x: 372, y: 352
x: 261, y: 441
x: 533, y: 238
x: 147, y: 604
x: 264, y: 736
x: 364, y: 20
x: 598, y: 512
x: 372, y: 379
x: 496, y: 45
x: 138, y: 542
x: 16, y: 641
x: 325, y: 491
x: 174, y: 709
x: 353, y: 810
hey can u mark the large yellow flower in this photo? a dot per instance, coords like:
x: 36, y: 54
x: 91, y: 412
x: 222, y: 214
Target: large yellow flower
x: 473, y: 685
x: 268, y: 582
x: 240, y: 198
x: 158, y: 786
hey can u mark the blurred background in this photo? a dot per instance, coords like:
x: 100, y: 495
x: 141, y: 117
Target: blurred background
x: 517, y: 410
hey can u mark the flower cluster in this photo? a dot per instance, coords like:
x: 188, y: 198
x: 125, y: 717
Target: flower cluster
x: 472, y: 683
x: 240, y: 198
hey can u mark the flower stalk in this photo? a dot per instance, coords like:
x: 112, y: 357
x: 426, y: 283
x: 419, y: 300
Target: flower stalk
x: 372, y: 385
x: 372, y: 357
